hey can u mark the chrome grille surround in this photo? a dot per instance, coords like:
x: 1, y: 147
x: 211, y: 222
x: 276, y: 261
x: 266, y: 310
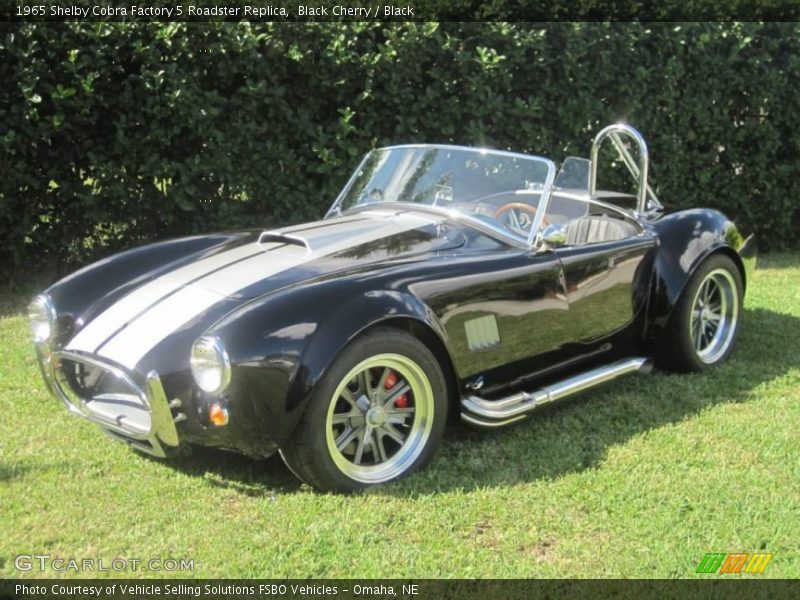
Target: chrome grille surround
x: 109, y: 396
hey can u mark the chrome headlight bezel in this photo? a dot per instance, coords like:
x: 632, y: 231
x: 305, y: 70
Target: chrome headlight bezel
x: 42, y: 319
x: 210, y: 364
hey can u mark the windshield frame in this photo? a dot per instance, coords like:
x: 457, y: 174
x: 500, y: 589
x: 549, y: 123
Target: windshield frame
x: 544, y: 199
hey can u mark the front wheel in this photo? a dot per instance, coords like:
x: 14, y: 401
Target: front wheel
x: 377, y: 415
x: 706, y: 320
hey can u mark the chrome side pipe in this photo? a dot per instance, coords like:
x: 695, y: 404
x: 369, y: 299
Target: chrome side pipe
x: 496, y: 413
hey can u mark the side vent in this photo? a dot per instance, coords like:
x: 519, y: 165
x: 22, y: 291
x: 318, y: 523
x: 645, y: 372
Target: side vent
x: 482, y: 333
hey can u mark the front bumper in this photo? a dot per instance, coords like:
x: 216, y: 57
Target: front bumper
x: 139, y: 416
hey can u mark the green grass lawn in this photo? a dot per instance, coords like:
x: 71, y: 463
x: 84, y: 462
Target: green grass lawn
x: 638, y: 479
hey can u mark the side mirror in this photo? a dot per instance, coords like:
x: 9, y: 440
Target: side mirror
x: 555, y: 235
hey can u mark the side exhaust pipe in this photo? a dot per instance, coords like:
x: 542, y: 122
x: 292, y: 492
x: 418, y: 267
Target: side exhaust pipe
x: 504, y: 411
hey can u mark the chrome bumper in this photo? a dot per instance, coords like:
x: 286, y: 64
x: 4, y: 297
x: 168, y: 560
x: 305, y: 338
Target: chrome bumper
x: 139, y: 417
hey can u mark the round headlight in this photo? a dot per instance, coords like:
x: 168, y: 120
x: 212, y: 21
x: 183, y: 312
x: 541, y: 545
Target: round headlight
x: 42, y: 317
x: 210, y: 364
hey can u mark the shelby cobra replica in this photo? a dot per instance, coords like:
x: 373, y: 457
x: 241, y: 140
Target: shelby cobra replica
x: 444, y: 280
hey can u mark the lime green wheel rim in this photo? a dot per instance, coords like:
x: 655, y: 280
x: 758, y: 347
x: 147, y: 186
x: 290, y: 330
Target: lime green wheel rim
x: 380, y: 418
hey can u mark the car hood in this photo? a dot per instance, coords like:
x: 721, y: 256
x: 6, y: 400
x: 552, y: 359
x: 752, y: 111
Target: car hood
x: 271, y: 260
x: 191, y: 295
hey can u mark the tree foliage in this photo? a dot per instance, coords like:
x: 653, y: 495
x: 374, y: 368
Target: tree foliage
x: 112, y: 134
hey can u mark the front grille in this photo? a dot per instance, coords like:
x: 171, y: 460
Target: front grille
x: 109, y: 396
x: 88, y: 381
x: 104, y: 394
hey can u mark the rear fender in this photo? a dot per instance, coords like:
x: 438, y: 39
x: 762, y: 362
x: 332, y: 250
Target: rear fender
x: 686, y: 239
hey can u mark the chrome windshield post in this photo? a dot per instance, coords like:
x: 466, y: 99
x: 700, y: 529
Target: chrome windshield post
x: 645, y: 197
x: 535, y: 236
x: 336, y: 207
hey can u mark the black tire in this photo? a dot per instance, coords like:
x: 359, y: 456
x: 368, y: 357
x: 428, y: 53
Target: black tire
x: 680, y: 347
x: 313, y: 453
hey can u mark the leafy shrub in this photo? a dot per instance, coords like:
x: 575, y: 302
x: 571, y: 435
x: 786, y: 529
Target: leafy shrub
x: 116, y: 133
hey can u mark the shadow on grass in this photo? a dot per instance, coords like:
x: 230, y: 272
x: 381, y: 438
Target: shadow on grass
x: 565, y: 437
x: 9, y: 472
x: 19, y: 470
x: 248, y: 476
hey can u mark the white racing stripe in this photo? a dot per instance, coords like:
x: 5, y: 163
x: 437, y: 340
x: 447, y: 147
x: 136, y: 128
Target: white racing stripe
x: 151, y: 313
x: 167, y: 316
x: 118, y: 315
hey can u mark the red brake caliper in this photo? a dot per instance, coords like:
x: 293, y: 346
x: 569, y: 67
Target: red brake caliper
x: 391, y: 381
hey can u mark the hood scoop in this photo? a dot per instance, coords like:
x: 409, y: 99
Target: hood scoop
x: 333, y: 236
x: 276, y: 237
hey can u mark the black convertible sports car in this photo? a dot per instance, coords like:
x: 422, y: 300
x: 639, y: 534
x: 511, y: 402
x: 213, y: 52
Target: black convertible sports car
x: 444, y: 280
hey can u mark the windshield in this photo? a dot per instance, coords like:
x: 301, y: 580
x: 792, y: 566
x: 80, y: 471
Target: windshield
x: 480, y: 184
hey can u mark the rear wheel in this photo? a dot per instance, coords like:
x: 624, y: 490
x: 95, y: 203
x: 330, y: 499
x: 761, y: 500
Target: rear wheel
x: 705, y: 323
x: 376, y: 416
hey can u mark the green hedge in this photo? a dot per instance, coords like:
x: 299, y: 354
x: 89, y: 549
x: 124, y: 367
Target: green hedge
x: 116, y: 133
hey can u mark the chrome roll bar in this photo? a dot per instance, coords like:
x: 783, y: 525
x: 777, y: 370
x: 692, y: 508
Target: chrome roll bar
x: 646, y: 198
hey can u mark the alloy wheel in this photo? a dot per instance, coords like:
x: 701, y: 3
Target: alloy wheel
x: 380, y: 418
x: 715, y: 312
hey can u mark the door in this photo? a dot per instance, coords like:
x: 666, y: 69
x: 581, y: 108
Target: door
x: 499, y: 310
x: 600, y: 278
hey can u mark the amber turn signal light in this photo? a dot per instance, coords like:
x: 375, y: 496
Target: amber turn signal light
x: 218, y: 414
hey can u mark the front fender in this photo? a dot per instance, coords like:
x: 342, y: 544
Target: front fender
x: 686, y: 238
x: 281, y: 345
x: 352, y: 319
x: 84, y: 294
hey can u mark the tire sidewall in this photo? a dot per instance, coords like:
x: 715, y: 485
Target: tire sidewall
x: 682, y: 323
x: 382, y: 341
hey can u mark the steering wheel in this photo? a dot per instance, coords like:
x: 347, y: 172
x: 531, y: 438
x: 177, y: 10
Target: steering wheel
x: 520, y: 215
